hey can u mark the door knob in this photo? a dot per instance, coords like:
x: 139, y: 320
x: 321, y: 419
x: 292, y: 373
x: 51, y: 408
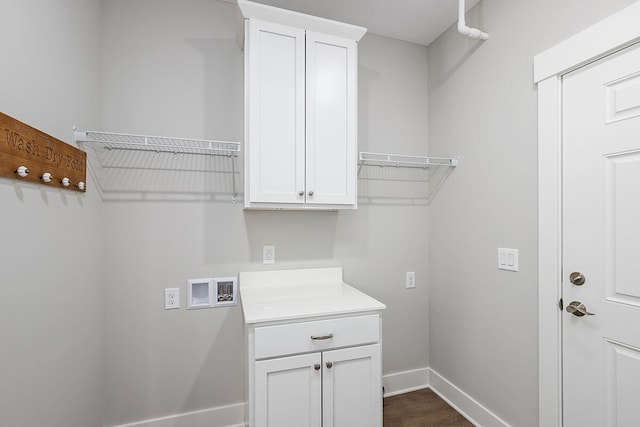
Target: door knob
x: 577, y: 278
x: 329, y: 365
x: 578, y: 309
x: 316, y: 366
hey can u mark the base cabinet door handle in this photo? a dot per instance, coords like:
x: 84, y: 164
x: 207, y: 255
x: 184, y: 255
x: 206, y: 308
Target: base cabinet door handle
x: 321, y: 337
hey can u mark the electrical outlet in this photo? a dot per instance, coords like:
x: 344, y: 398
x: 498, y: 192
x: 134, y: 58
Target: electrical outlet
x: 411, y: 279
x: 268, y: 254
x: 171, y: 298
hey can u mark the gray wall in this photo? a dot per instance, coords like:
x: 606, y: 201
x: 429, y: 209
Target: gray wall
x: 173, y: 68
x: 51, y: 254
x: 482, y: 107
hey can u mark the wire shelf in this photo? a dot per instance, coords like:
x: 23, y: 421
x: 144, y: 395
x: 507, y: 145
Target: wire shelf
x: 159, y: 144
x: 393, y: 176
x: 398, y: 160
x: 127, y: 166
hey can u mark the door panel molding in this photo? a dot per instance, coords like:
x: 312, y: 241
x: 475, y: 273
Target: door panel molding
x: 623, y: 98
x: 623, y: 367
x: 614, y: 33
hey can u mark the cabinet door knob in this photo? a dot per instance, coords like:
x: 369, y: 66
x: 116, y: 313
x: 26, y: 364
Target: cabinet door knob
x: 300, y: 193
x: 310, y: 193
x: 316, y: 366
x: 329, y: 365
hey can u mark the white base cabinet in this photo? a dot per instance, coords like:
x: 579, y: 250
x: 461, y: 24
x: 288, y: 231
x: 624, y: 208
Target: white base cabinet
x: 330, y: 389
x: 323, y: 387
x: 313, y: 350
x: 351, y: 387
x: 288, y: 392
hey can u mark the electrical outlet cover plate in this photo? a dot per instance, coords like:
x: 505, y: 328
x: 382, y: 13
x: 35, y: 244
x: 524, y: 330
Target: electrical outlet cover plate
x: 268, y: 254
x: 411, y: 280
x: 171, y: 298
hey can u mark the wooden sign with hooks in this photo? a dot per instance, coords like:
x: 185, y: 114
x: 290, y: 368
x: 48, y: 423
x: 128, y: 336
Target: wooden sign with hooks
x: 28, y: 154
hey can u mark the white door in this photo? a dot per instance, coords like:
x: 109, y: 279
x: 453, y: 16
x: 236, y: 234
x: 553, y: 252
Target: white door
x: 352, y: 389
x: 601, y: 241
x: 275, y: 108
x: 331, y: 119
x: 288, y: 392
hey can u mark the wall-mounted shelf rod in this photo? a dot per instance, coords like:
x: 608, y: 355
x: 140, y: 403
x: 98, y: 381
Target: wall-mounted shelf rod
x: 398, y: 160
x: 122, y: 141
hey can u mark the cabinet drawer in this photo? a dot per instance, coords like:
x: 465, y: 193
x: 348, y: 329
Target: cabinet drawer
x: 292, y: 338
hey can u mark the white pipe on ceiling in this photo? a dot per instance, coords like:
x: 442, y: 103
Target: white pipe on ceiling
x: 474, y: 33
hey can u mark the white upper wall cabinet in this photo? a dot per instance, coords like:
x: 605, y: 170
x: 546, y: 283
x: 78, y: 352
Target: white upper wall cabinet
x: 300, y: 110
x: 274, y: 114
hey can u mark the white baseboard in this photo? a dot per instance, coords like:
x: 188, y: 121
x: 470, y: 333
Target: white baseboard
x: 223, y: 416
x: 394, y: 384
x: 406, y: 381
x: 463, y: 403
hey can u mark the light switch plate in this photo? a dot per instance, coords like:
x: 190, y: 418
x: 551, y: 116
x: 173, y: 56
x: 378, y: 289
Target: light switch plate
x: 508, y: 259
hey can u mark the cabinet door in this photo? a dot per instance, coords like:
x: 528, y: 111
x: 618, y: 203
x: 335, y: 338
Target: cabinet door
x: 331, y: 175
x: 288, y: 392
x: 352, y: 388
x: 275, y: 109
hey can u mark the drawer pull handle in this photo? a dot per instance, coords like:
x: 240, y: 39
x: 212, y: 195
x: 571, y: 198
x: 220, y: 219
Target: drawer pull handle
x: 321, y: 337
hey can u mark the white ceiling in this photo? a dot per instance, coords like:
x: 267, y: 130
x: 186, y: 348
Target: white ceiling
x: 417, y: 21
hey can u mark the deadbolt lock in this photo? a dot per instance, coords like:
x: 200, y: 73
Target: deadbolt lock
x: 577, y: 278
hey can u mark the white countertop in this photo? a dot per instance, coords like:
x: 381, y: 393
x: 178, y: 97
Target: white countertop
x: 297, y: 294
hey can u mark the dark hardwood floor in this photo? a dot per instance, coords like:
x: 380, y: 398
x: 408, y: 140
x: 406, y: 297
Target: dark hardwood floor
x: 422, y: 408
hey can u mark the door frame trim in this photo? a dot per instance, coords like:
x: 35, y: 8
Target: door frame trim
x: 609, y: 35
